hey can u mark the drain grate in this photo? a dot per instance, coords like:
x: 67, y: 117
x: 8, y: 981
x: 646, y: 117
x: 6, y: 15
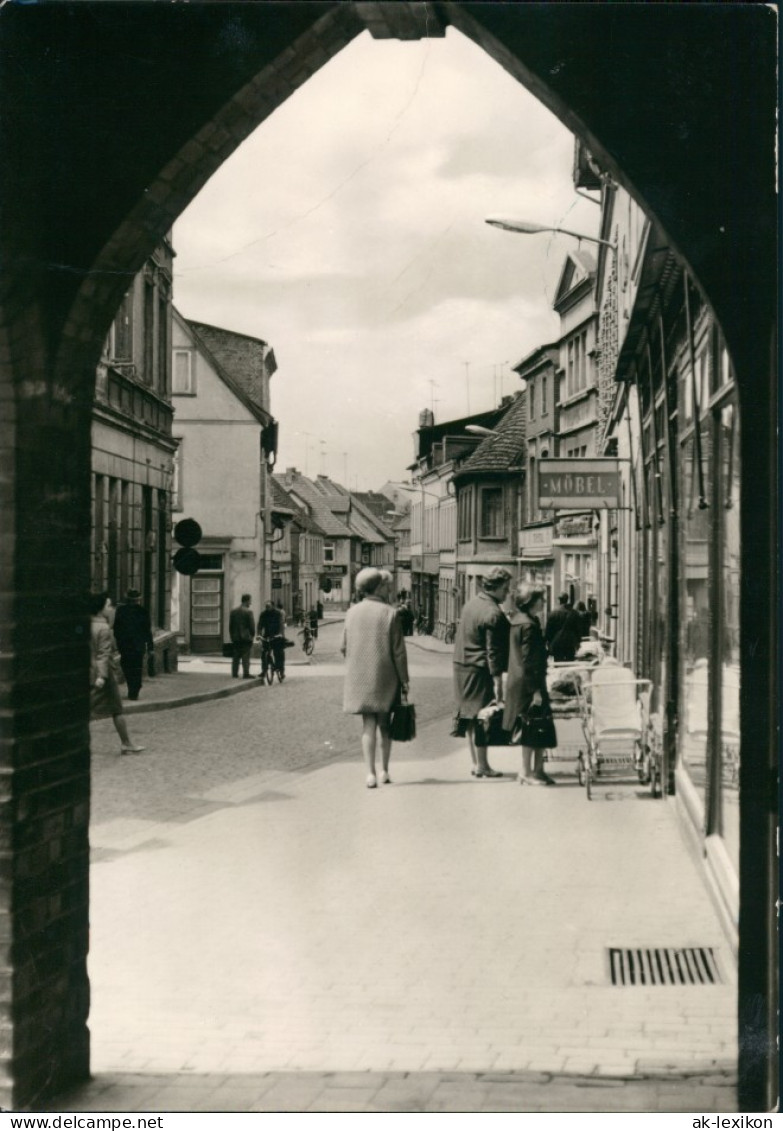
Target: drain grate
x: 664, y: 966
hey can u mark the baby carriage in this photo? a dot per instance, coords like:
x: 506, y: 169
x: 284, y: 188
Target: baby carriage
x: 616, y: 726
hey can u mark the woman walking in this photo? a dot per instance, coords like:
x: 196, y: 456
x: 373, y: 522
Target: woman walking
x: 480, y: 658
x: 376, y: 666
x: 105, y: 699
x: 526, y: 686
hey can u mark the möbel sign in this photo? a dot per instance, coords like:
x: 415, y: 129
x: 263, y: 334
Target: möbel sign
x: 574, y: 484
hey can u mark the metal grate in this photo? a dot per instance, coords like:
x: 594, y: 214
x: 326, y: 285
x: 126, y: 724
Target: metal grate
x: 664, y: 966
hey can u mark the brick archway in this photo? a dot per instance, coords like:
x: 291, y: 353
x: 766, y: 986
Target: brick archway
x: 116, y: 116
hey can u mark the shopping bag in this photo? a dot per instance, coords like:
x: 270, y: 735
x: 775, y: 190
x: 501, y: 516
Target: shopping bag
x: 489, y: 727
x: 402, y: 727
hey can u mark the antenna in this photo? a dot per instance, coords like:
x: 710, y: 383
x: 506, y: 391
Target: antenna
x: 323, y: 456
x: 467, y: 383
x: 433, y: 400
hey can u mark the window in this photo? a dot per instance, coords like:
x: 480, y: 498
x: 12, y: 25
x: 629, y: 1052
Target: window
x: 328, y: 551
x: 121, y: 349
x: 532, y: 400
x: 492, y: 525
x: 163, y: 343
x: 149, y: 332
x: 465, y: 514
x: 182, y: 376
x: 176, y: 479
x: 543, y: 396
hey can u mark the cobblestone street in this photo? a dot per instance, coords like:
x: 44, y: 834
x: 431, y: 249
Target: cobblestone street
x: 260, y: 920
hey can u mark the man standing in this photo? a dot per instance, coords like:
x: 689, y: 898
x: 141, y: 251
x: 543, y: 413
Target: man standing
x: 133, y: 633
x: 563, y: 631
x: 242, y: 630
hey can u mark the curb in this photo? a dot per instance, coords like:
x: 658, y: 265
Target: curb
x: 188, y: 700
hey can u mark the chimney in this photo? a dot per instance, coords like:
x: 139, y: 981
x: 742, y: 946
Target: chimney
x: 290, y: 472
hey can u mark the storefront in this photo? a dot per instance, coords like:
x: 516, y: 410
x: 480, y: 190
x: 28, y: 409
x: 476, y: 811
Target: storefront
x: 685, y: 546
x: 536, y: 560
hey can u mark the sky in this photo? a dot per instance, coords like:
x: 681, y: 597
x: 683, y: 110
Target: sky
x: 348, y: 232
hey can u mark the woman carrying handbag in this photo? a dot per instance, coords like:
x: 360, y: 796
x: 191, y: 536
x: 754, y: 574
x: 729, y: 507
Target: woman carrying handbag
x: 528, y: 714
x: 376, y: 676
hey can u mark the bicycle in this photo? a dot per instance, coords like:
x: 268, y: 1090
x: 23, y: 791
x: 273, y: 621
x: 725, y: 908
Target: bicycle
x: 308, y: 641
x: 421, y: 625
x: 271, y: 661
x: 450, y: 633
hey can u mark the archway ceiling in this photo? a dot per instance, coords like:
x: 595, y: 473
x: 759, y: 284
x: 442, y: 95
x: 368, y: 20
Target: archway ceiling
x: 678, y: 100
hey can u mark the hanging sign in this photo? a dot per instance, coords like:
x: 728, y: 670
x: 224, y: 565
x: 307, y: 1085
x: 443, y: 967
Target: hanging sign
x: 579, y: 484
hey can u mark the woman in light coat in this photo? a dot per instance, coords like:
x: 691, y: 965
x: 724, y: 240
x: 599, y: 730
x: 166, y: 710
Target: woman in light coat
x: 376, y: 666
x: 105, y: 699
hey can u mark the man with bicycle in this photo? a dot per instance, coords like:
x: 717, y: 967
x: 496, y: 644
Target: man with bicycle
x: 270, y: 630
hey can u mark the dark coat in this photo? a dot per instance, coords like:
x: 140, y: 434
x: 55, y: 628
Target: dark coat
x: 482, y: 635
x: 132, y: 629
x: 241, y: 625
x: 563, y: 633
x: 527, y: 664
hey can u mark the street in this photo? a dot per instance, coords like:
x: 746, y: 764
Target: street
x: 256, y: 910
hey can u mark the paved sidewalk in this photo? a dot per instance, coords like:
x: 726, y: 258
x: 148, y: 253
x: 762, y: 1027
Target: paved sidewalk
x: 440, y: 925
x: 431, y: 644
x: 489, y: 1092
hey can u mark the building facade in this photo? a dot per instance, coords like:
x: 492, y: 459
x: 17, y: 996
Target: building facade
x: 133, y: 451
x: 223, y: 424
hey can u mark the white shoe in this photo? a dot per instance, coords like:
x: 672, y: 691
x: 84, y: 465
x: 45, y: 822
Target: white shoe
x: 385, y: 779
x: 372, y: 781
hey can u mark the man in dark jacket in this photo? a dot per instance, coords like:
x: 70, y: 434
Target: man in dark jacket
x: 563, y: 631
x: 270, y: 627
x: 242, y: 631
x: 133, y: 633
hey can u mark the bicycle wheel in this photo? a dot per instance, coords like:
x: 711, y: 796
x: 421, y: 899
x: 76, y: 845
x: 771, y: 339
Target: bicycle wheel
x: 269, y: 671
x: 280, y: 674
x: 309, y: 646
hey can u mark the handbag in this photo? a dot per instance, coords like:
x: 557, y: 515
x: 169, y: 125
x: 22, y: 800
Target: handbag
x: 489, y: 728
x: 536, y: 729
x: 402, y: 727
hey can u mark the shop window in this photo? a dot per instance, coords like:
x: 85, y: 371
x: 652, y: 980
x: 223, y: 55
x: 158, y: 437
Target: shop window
x: 491, y: 522
x: 696, y: 614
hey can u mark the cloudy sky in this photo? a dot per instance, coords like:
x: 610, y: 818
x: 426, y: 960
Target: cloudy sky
x: 348, y: 232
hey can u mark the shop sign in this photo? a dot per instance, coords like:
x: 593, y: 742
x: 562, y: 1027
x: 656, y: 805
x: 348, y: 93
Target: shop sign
x: 277, y: 583
x: 571, y: 484
x: 334, y: 571
x: 535, y: 542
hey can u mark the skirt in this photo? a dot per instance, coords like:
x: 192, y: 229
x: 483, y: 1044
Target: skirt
x: 473, y: 690
x: 106, y: 701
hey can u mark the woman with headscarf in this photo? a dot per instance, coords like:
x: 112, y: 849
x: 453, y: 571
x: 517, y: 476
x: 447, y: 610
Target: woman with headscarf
x: 376, y: 666
x: 526, y: 690
x: 480, y: 659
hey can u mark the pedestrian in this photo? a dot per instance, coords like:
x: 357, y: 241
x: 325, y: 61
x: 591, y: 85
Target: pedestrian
x: 405, y: 613
x: 133, y: 633
x: 526, y: 686
x: 283, y: 619
x: 480, y: 659
x: 105, y: 698
x: 585, y: 620
x: 319, y: 608
x: 312, y: 620
x: 270, y: 628
x: 562, y: 633
x: 376, y: 666
x: 242, y: 632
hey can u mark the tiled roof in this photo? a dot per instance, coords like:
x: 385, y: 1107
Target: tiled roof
x: 281, y: 499
x: 504, y: 450
x: 300, y: 485
x: 241, y: 356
